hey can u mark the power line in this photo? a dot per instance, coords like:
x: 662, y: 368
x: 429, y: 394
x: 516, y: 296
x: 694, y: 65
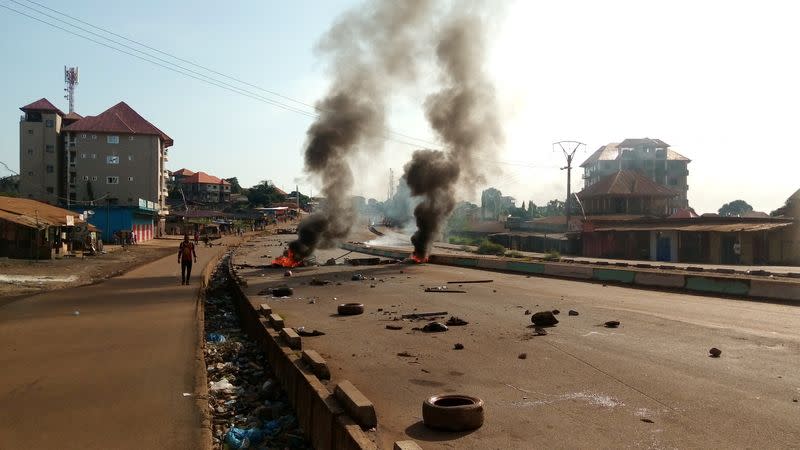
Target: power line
x: 173, y: 67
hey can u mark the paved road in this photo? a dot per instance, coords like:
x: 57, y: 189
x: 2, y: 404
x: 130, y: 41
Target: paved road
x: 582, y: 385
x: 111, y: 377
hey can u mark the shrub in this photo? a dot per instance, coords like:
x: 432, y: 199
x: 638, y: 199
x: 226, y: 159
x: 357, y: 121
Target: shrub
x: 490, y: 248
x: 514, y: 254
x: 552, y: 255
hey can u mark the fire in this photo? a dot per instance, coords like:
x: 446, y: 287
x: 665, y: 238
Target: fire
x: 287, y: 260
x: 419, y: 259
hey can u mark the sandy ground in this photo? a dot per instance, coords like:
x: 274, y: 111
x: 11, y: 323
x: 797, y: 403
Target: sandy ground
x: 110, y: 365
x: 582, y: 385
x: 24, y: 277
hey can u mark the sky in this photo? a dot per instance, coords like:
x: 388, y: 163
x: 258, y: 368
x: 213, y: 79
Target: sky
x: 717, y: 80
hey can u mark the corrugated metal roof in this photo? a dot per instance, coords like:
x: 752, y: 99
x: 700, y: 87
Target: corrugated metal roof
x: 627, y: 183
x: 719, y: 227
x: 30, y: 212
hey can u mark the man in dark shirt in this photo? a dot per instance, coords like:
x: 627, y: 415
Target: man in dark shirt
x: 186, y: 254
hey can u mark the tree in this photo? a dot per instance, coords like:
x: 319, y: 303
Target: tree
x: 491, y: 204
x: 553, y: 208
x: 236, y: 188
x: 791, y: 208
x: 735, y: 208
x: 265, y: 194
x: 533, y: 210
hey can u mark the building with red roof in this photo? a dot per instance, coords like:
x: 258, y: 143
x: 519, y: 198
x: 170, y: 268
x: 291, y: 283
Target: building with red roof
x: 201, y: 187
x: 116, y: 158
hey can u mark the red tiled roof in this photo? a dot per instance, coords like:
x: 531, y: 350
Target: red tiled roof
x: 42, y: 105
x: 120, y: 118
x: 183, y: 172
x: 73, y: 116
x: 628, y: 183
x: 203, y: 178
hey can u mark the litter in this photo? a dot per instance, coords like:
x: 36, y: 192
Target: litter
x: 544, y: 319
x: 458, y: 346
x: 358, y: 277
x: 215, y: 338
x: 443, y: 289
x: 405, y: 355
x: 714, y: 352
x: 317, y: 282
x: 572, y: 312
x: 305, y: 333
x: 456, y: 321
x: 221, y: 385
x: 612, y: 324
x: 394, y: 327
x: 434, y: 327
x: 283, y: 291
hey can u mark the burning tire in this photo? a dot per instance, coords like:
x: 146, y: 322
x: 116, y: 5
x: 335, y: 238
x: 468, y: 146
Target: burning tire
x: 350, y: 309
x: 453, y: 412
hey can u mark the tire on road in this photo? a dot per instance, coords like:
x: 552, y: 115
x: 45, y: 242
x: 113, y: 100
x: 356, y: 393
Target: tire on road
x: 350, y: 309
x: 453, y: 412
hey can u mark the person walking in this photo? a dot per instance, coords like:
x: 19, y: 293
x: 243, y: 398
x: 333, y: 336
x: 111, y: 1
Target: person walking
x: 186, y: 254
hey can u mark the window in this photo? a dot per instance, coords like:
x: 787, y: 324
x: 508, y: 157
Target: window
x: 30, y: 131
x: 130, y: 157
x: 130, y: 178
x: 50, y: 190
x: 112, y: 159
x: 30, y: 151
x: 94, y: 137
x: 83, y: 136
x: 86, y: 178
x: 94, y: 178
x: 94, y: 155
x: 30, y: 173
x: 49, y: 124
x: 130, y: 138
x: 83, y: 155
x: 49, y: 169
x: 49, y: 148
x: 110, y: 139
x: 112, y: 180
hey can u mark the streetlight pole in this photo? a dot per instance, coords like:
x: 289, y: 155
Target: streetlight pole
x: 569, y: 148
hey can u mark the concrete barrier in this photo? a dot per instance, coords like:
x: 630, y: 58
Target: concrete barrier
x: 317, y: 364
x: 492, y: 264
x: 356, y: 404
x: 775, y: 289
x: 322, y: 418
x: 667, y: 280
x: 728, y: 286
x: 619, y: 276
x: 291, y: 338
x: 567, y: 271
x: 406, y: 445
x: 524, y: 267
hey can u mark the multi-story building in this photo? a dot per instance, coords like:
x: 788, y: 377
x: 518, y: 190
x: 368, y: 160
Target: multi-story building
x: 115, y: 159
x: 203, y: 188
x: 651, y: 157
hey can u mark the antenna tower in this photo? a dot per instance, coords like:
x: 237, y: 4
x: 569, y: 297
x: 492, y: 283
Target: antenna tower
x: 391, y: 184
x: 71, y: 80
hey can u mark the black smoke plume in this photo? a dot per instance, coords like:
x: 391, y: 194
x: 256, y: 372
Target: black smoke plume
x: 464, y: 115
x: 371, y: 50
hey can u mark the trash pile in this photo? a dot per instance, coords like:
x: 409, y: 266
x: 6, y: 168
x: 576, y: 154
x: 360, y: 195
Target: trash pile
x: 248, y: 408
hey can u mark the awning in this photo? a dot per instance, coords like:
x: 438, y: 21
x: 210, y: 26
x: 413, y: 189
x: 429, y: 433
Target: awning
x: 30, y: 222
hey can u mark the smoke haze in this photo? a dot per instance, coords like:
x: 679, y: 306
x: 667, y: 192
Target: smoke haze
x: 371, y: 50
x: 465, y: 116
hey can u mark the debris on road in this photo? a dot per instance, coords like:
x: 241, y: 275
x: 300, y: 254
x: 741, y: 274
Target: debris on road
x: 305, y: 333
x: 458, y: 346
x: 216, y: 338
x: 647, y: 420
x: 572, y: 312
x: 330, y: 262
x: 394, y: 327
x: 358, y: 277
x: 434, y: 327
x: 714, y: 352
x: 444, y: 289
x: 423, y: 314
x: 556, y: 312
x: 406, y: 355
x: 318, y: 282
x: 522, y: 356
x: 528, y: 312
x: 612, y: 324
x: 470, y: 281
x: 539, y: 331
x: 288, y: 273
x: 544, y: 319
x: 282, y: 291
x: 454, y: 321
x: 350, y: 309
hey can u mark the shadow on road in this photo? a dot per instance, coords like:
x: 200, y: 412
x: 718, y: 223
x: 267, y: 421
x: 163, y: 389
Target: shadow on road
x: 420, y: 432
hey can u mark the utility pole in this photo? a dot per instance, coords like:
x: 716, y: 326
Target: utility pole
x: 569, y: 148
x: 71, y: 80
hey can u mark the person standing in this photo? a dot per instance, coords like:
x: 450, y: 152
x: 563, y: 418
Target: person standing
x: 186, y: 254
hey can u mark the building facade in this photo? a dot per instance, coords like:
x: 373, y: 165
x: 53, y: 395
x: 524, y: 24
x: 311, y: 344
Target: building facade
x: 115, y: 159
x: 201, y: 187
x: 653, y: 158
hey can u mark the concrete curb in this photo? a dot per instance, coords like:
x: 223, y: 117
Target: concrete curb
x: 705, y: 282
x: 320, y: 415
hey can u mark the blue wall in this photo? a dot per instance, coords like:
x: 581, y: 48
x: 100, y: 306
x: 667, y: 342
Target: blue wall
x: 114, y: 218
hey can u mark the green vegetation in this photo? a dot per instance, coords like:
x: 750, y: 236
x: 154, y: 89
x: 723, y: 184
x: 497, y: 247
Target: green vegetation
x: 490, y: 248
x: 514, y: 254
x: 463, y: 240
x: 552, y: 255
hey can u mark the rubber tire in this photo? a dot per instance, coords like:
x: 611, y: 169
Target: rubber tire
x: 453, y: 418
x: 350, y: 309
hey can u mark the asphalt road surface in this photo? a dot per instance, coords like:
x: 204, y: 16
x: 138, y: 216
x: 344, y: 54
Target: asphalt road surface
x: 113, y: 376
x: 647, y: 384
